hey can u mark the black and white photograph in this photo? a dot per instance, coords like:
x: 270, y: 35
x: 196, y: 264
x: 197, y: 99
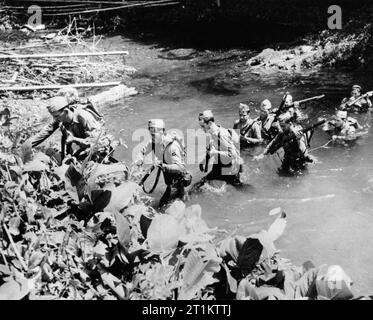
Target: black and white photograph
x: 197, y: 150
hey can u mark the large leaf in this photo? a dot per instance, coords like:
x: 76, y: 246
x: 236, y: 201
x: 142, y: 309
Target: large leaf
x: 232, y: 282
x: 176, y: 209
x: 15, y: 290
x: 121, y: 196
x: 277, y: 228
x: 231, y: 247
x: 123, y: 230
x: 35, y: 259
x: 104, y: 169
x: 100, y: 199
x: 163, y: 233
x: 195, y: 228
x: 198, y: 274
x: 246, y: 290
x: 249, y: 255
x: 35, y: 165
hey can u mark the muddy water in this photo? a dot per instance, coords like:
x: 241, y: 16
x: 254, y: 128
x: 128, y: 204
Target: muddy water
x: 330, y: 207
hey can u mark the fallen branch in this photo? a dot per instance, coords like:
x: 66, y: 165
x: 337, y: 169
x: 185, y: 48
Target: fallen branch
x: 59, y: 86
x: 144, y: 4
x: 62, y: 55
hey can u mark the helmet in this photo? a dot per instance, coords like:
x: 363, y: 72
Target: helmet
x: 266, y: 105
x: 244, y: 107
x: 356, y: 86
x: 206, y: 116
x: 57, y: 104
x: 156, y: 123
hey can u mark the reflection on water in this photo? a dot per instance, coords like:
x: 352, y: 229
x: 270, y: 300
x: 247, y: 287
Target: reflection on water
x: 329, y: 207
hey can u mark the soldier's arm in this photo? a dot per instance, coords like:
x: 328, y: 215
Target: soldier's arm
x: 144, y: 151
x: 303, y: 145
x: 45, y: 133
x: 344, y: 103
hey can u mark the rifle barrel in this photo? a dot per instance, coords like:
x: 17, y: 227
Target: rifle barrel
x: 311, y: 99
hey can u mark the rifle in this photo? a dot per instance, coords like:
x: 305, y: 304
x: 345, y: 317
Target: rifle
x: 294, y: 136
x: 308, y: 99
x: 281, y: 107
x: 351, y: 103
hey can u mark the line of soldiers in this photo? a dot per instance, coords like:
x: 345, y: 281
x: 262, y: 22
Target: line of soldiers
x: 80, y: 123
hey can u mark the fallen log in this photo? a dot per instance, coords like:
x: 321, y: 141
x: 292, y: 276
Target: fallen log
x: 62, y: 55
x: 143, y: 4
x: 59, y: 86
x: 75, y: 1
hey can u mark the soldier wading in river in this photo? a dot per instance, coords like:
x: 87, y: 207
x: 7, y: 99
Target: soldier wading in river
x: 357, y: 102
x: 295, y: 144
x: 341, y: 126
x: 268, y: 124
x: 250, y: 129
x: 169, y: 155
x: 222, y: 149
x: 79, y: 127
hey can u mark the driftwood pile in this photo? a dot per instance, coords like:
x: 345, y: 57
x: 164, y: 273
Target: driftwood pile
x: 77, y: 63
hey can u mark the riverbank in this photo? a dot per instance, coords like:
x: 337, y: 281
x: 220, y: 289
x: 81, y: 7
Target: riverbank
x: 351, y: 47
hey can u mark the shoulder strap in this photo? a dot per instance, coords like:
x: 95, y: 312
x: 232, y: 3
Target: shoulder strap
x: 246, y: 130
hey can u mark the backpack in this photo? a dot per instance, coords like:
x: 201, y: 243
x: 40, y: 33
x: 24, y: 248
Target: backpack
x: 180, y: 140
x: 88, y: 106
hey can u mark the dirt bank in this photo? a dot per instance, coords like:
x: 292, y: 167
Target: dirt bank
x: 350, y: 47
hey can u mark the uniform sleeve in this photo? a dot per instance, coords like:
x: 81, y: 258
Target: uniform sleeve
x: 303, y: 145
x: 145, y: 150
x: 174, y: 158
x: 45, y: 133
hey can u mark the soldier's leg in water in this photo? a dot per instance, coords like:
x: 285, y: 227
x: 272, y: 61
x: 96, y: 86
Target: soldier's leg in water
x: 285, y: 166
x: 165, y: 197
x: 212, y: 175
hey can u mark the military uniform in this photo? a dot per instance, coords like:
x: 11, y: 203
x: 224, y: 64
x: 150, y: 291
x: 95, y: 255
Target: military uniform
x: 347, y: 129
x: 227, y: 164
x: 83, y: 125
x: 249, y: 129
x: 359, y: 106
x: 170, y: 152
x: 269, y: 127
x: 295, y: 150
x: 362, y: 105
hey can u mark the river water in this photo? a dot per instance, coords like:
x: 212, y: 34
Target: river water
x: 329, y: 207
